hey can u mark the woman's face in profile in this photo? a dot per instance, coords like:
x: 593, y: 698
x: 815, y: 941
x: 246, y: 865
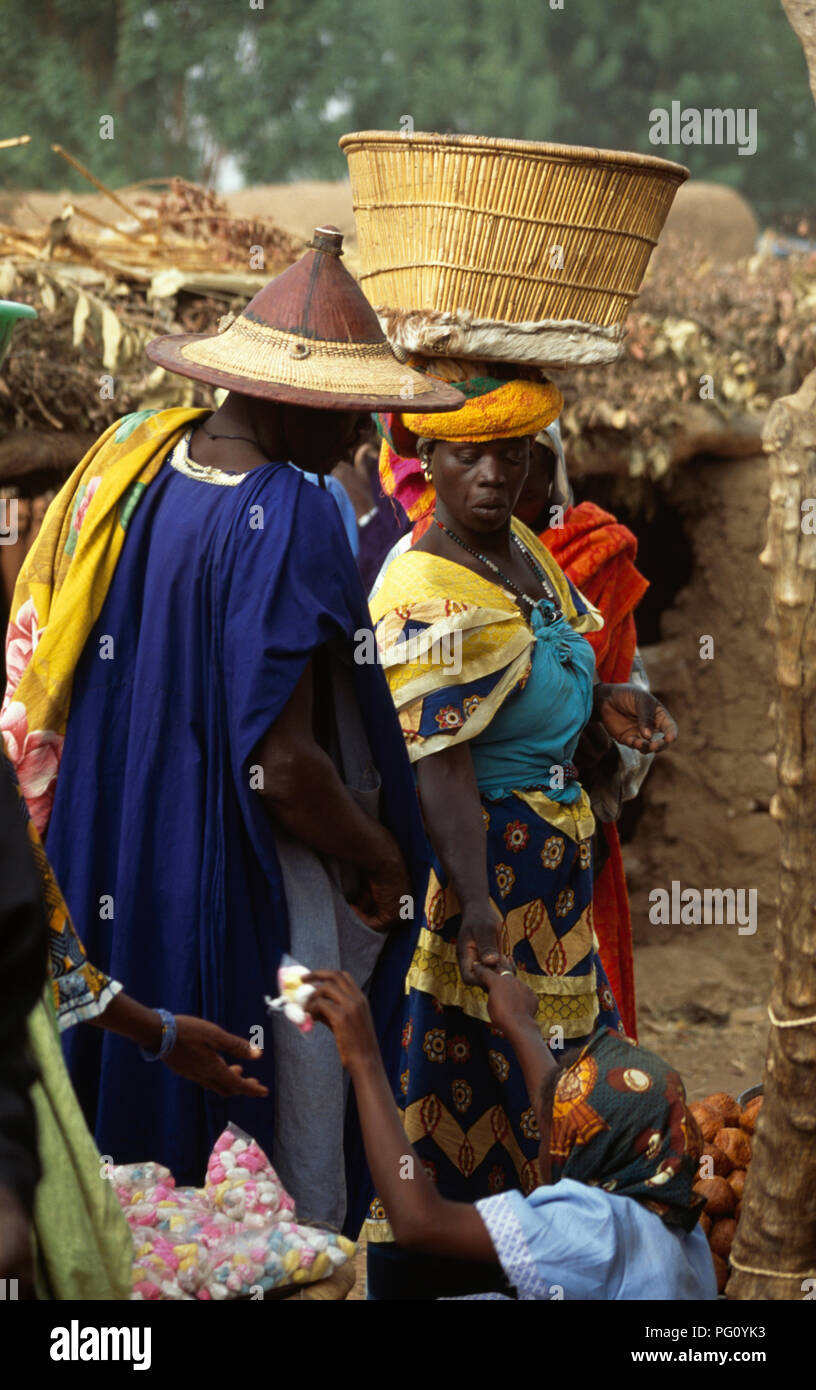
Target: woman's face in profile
x: 535, y: 495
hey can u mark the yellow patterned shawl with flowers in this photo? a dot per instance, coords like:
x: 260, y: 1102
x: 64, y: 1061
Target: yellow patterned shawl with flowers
x: 62, y: 586
x: 441, y: 629
x: 78, y: 989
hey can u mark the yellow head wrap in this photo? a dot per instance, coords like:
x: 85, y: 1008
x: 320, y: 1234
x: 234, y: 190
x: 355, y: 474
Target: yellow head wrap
x: 510, y: 410
x: 497, y: 407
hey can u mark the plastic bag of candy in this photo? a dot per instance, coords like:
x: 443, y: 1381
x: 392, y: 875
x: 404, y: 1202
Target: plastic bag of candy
x: 237, y: 1236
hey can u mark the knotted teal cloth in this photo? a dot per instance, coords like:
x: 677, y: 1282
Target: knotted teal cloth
x: 538, y: 728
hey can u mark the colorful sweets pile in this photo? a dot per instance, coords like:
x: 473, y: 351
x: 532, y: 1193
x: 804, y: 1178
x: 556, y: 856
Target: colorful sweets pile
x: 727, y: 1132
x: 235, y: 1237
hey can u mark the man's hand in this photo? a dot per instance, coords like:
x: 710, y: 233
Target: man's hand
x: 196, y: 1057
x: 16, y: 1258
x: 389, y: 882
x: 341, y: 1005
x: 478, y: 940
x: 634, y: 717
x: 510, y: 1002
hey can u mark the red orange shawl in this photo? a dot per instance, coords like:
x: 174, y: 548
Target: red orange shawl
x: 598, y: 554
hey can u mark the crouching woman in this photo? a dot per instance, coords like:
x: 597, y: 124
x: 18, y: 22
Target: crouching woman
x: 614, y: 1216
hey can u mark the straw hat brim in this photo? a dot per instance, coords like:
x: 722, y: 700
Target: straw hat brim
x: 255, y: 360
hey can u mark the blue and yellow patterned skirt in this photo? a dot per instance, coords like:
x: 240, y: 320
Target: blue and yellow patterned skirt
x: 461, y: 1090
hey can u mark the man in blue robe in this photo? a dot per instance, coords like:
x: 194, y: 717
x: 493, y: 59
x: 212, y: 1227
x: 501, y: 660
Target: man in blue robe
x: 232, y: 784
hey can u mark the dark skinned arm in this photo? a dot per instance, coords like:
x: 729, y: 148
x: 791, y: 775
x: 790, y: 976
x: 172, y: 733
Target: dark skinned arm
x: 305, y: 794
x: 420, y: 1218
x: 512, y: 1006
x: 453, y: 818
x: 195, y: 1055
x: 131, y: 1020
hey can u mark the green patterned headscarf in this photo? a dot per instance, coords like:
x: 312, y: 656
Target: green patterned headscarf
x: 620, y: 1122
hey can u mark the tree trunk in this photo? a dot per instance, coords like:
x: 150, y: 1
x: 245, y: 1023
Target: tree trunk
x: 775, y: 1247
x: 802, y: 17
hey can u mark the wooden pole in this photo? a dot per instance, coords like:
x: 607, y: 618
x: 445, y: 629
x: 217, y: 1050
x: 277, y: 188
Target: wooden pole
x: 802, y: 18
x: 100, y: 222
x: 103, y: 188
x: 774, y: 1252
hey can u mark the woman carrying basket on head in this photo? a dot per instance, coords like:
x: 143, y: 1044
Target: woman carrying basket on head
x: 492, y: 736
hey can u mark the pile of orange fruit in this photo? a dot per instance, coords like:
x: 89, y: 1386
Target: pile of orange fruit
x: 727, y: 1131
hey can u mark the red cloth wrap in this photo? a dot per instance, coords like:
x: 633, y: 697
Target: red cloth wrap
x: 598, y: 553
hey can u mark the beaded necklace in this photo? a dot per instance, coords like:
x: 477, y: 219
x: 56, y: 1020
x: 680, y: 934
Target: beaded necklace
x: 552, y: 607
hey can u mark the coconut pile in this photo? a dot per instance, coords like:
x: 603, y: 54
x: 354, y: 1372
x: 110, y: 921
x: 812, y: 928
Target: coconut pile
x: 727, y: 1129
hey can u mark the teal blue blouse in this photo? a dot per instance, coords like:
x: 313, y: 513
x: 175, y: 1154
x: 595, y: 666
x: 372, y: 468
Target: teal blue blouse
x: 537, y: 729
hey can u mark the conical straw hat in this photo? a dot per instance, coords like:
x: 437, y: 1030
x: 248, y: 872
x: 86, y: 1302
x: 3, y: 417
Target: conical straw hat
x: 309, y: 337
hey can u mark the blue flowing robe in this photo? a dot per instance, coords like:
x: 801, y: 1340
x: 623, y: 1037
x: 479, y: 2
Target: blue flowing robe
x: 165, y: 853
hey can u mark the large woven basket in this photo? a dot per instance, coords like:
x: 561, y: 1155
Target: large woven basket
x: 509, y: 249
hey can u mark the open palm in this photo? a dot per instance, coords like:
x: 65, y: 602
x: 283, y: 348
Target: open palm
x: 634, y: 717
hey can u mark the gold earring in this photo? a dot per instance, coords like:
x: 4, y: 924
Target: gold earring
x: 427, y: 470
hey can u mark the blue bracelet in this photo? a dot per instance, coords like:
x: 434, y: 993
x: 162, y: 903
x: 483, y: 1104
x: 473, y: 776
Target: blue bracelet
x: 168, y: 1038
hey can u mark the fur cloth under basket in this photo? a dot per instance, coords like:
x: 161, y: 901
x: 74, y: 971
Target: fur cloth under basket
x: 552, y: 342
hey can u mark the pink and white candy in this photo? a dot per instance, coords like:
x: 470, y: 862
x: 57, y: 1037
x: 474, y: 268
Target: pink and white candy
x: 292, y: 995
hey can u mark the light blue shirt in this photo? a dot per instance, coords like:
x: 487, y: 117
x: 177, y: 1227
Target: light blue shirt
x: 344, y: 502
x: 572, y: 1241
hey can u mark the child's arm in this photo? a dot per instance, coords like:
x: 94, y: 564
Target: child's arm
x: 512, y: 1008
x: 419, y: 1217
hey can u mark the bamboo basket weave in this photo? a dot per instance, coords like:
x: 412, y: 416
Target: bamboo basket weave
x: 460, y: 231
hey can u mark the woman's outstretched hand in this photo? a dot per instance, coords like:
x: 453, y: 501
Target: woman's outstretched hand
x: 196, y: 1056
x: 634, y: 717
x: 478, y: 940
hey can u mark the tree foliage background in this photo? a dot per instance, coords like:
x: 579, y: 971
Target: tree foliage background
x: 269, y: 85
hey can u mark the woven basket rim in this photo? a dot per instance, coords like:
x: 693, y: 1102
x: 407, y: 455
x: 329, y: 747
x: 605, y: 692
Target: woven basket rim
x: 533, y: 149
